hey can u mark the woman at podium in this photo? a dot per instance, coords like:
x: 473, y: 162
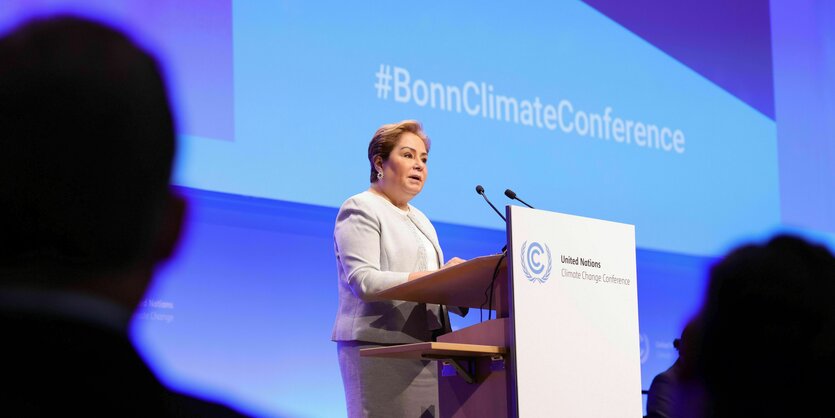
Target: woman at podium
x: 381, y: 241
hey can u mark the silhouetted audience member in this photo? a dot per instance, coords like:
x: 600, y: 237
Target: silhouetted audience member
x: 669, y: 394
x: 769, y: 331
x: 86, y: 147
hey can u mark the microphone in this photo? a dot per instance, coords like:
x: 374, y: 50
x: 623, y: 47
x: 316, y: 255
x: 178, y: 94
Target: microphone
x: 488, y: 292
x: 512, y: 195
x: 480, y: 190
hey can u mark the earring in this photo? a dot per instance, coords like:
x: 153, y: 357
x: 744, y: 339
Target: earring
x: 379, y: 175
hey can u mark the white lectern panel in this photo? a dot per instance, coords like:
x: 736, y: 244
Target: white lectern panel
x: 575, y: 316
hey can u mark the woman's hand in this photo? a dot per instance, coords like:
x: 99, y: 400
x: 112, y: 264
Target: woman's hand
x: 454, y: 261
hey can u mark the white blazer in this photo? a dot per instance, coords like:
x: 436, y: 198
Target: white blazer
x: 376, y: 248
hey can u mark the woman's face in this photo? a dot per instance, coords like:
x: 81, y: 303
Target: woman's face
x: 405, y: 171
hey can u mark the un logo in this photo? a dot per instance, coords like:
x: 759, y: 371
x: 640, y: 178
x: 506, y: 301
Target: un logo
x: 535, y: 268
x: 644, y: 340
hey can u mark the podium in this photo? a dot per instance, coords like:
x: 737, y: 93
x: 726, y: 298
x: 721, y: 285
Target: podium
x: 565, y: 339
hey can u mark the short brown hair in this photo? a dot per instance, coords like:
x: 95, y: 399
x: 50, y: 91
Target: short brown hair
x: 386, y: 138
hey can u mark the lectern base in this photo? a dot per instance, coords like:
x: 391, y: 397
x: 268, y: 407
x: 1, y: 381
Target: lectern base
x: 488, y: 395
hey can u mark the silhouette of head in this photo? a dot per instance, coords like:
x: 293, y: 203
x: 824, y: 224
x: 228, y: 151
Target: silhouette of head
x: 769, y: 330
x: 86, y: 146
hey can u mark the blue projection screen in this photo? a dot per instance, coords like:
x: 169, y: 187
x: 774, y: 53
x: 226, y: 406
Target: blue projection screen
x: 586, y: 119
x: 633, y: 114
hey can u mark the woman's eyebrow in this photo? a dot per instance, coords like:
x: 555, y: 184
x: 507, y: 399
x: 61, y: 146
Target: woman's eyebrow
x: 413, y: 150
